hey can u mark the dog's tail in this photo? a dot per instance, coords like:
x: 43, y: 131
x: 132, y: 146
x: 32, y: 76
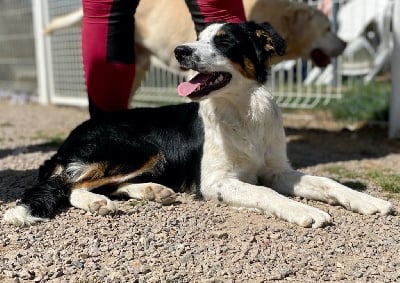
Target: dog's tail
x: 40, y: 202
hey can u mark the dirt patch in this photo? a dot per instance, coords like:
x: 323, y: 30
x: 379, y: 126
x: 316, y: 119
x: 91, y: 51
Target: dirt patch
x: 197, y: 241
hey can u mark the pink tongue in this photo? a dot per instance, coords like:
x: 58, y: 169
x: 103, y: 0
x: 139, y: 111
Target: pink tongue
x: 186, y: 88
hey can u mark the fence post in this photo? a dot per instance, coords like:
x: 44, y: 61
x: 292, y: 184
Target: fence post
x: 394, y: 111
x: 335, y: 27
x: 40, y: 51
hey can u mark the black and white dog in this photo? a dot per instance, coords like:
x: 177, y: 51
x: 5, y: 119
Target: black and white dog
x: 228, y: 144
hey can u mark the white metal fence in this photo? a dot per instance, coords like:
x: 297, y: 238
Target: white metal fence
x: 296, y: 84
x: 31, y: 63
x: 394, y: 112
x: 66, y: 76
x: 65, y: 83
x: 17, y: 57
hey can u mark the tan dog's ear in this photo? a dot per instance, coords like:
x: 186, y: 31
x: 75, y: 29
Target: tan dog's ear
x: 296, y: 17
x: 273, y: 43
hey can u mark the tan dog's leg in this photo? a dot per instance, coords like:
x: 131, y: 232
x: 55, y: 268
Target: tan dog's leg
x: 141, y: 67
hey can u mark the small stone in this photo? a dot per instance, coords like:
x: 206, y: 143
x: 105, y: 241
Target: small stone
x: 84, y: 256
x: 220, y: 234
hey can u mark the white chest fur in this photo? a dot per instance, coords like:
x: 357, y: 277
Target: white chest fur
x: 241, y: 136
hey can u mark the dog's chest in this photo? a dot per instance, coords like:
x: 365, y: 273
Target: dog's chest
x: 244, y: 136
x: 240, y: 138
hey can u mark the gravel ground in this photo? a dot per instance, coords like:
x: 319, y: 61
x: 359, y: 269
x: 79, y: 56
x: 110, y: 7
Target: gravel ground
x: 192, y: 240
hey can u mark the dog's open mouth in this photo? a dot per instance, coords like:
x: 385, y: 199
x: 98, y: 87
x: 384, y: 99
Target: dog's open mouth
x: 320, y: 58
x: 204, y: 83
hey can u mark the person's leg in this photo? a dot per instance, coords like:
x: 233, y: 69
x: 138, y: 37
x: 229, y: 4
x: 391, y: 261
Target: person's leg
x: 108, y: 53
x: 207, y: 11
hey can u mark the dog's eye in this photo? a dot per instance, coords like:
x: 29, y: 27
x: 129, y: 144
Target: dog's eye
x: 222, y: 41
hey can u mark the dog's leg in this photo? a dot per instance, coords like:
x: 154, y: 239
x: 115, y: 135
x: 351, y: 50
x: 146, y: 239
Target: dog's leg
x: 94, y: 203
x: 240, y: 194
x: 147, y: 191
x: 324, y: 189
x: 142, y: 65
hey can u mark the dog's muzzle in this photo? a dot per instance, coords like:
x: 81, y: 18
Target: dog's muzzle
x: 185, y: 56
x: 183, y: 53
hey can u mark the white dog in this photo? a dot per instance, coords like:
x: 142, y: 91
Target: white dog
x: 229, y: 144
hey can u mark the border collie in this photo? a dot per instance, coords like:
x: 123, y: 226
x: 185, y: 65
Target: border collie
x: 227, y: 145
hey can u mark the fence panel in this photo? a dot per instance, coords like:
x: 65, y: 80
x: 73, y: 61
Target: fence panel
x: 66, y: 81
x: 66, y: 78
x: 17, y: 52
x: 58, y: 74
x: 394, y: 118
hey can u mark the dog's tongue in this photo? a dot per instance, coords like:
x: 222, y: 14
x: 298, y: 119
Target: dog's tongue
x: 186, y: 88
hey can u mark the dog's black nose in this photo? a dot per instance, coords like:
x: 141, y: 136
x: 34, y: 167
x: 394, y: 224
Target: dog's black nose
x: 182, y: 51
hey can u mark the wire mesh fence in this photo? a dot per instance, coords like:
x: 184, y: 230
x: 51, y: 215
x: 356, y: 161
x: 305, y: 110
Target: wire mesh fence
x: 17, y: 52
x: 66, y: 78
x: 295, y: 83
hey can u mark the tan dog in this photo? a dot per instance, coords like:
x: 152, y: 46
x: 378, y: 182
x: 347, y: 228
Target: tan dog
x: 163, y: 24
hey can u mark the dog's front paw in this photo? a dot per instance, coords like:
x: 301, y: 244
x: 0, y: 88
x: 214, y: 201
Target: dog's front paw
x: 160, y: 194
x: 305, y: 216
x: 102, y: 206
x: 366, y: 204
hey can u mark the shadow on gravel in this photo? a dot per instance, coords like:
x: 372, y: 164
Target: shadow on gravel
x: 308, y: 147
x: 355, y: 185
x: 43, y: 147
x: 14, y: 182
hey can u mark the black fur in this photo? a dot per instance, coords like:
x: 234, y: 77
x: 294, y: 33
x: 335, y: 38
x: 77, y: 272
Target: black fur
x: 123, y: 142
x: 240, y: 41
x: 277, y: 41
x: 126, y: 140
x: 47, y: 196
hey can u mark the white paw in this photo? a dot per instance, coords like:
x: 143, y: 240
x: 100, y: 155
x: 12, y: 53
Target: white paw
x: 366, y: 204
x: 305, y: 216
x: 94, y: 203
x: 160, y: 194
x: 20, y: 216
x: 102, y: 206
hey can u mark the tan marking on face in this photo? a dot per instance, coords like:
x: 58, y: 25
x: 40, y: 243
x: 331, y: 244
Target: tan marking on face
x: 261, y: 32
x: 268, y: 46
x: 220, y: 33
x: 247, y: 70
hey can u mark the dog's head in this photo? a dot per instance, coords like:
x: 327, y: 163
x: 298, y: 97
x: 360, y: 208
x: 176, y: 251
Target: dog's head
x: 226, y: 54
x: 308, y: 33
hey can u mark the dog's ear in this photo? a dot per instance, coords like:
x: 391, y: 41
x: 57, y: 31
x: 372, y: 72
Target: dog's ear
x: 272, y: 42
x: 295, y: 18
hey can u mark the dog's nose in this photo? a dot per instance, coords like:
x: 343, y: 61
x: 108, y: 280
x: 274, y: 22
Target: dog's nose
x: 182, y: 51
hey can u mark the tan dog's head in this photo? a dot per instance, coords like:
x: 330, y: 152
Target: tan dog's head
x: 307, y: 32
